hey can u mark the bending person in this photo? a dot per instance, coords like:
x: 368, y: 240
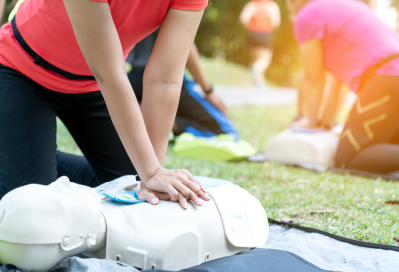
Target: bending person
x: 260, y: 17
x: 331, y: 37
x: 195, y: 114
x: 79, y: 75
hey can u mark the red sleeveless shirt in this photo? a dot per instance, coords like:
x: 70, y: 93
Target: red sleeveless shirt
x: 261, y: 21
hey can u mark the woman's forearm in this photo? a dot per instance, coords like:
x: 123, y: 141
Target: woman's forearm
x: 194, y: 66
x: 334, y: 98
x: 313, y: 95
x: 163, y: 76
x: 159, y: 112
x: 128, y: 121
x: 312, y: 86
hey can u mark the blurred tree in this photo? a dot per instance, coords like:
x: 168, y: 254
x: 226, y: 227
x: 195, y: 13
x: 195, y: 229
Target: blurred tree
x: 9, y: 6
x: 221, y: 35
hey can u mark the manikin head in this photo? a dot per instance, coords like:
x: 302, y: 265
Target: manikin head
x: 59, y: 220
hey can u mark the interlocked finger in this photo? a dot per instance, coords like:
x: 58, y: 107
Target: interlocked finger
x: 195, y: 180
x: 187, y: 193
x: 173, y: 193
x: 183, y: 201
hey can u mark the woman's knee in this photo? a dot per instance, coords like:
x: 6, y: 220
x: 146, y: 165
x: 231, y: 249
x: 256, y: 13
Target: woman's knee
x: 377, y: 158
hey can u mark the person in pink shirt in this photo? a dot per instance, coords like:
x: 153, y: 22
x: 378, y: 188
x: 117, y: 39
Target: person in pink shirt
x: 346, y: 38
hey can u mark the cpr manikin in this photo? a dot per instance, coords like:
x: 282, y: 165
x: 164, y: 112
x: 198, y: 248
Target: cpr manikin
x: 42, y: 225
x: 312, y: 149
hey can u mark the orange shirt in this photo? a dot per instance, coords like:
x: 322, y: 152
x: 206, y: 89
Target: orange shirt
x: 261, y: 20
x: 45, y: 26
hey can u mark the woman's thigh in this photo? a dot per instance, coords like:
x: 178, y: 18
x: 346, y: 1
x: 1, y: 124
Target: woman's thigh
x: 27, y: 132
x: 76, y: 168
x: 372, y: 120
x: 90, y: 124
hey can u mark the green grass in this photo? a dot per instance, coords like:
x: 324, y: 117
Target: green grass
x: 359, y: 209
x: 226, y: 73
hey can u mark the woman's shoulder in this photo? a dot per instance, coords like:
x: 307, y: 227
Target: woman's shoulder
x: 324, y: 8
x: 311, y: 19
x: 189, y: 4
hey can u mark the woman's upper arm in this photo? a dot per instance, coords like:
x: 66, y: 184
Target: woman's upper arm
x: 275, y: 14
x: 97, y: 37
x: 247, y: 13
x: 312, y: 58
x: 175, y: 38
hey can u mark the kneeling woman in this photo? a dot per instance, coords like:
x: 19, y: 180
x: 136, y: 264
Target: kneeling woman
x: 346, y: 38
x: 66, y: 59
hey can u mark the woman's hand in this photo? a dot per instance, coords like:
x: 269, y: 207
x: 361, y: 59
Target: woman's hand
x: 304, y: 123
x: 217, y: 101
x: 173, y: 185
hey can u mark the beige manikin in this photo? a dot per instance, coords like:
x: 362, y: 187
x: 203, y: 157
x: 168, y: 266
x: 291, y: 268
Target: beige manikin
x: 41, y: 225
x: 306, y: 148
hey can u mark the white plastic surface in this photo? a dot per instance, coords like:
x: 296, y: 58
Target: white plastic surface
x: 313, y: 150
x: 165, y: 236
x: 38, y: 214
x: 244, y: 219
x: 44, y: 224
x: 42, y: 257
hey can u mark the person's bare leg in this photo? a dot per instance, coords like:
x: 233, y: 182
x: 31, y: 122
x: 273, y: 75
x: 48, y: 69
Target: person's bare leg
x: 262, y: 58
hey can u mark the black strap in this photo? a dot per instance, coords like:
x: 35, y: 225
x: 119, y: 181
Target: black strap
x: 42, y: 62
x: 336, y: 237
x: 369, y: 73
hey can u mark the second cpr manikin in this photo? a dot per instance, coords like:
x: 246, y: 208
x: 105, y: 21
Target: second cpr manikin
x: 311, y: 149
x: 42, y: 225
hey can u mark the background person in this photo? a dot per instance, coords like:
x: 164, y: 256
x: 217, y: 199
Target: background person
x: 260, y: 17
x: 334, y: 94
x: 200, y: 116
x: 52, y: 75
x: 331, y: 36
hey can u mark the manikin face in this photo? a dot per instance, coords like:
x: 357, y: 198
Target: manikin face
x: 294, y: 6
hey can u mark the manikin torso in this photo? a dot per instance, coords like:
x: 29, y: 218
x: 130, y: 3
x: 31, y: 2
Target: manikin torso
x: 145, y: 236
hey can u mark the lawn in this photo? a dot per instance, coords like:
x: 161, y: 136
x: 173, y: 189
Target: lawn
x: 226, y: 73
x: 345, y: 205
